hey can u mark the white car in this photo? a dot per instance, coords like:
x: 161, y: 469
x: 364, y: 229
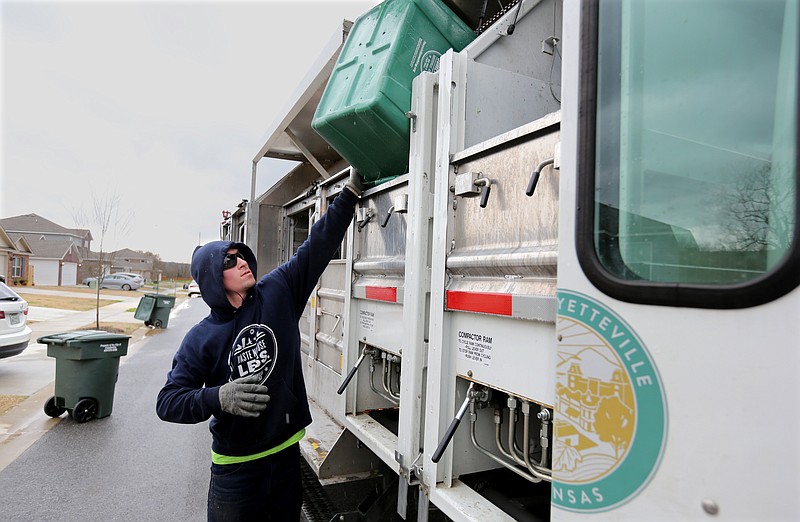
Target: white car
x: 15, y: 334
x: 194, y: 289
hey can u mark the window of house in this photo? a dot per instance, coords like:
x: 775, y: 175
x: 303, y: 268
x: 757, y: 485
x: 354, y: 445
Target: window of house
x: 691, y: 164
x: 16, y: 266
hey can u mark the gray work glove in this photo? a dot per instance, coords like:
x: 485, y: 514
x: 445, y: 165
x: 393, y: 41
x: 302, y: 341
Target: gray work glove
x: 355, y: 182
x: 244, y: 397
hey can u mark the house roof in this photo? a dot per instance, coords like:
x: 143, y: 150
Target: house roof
x: 6, y: 243
x: 117, y: 256
x: 47, y: 248
x: 23, y: 245
x: 127, y: 253
x: 34, y: 223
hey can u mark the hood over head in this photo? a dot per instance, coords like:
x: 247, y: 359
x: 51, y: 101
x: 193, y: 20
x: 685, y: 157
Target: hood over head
x: 206, y: 269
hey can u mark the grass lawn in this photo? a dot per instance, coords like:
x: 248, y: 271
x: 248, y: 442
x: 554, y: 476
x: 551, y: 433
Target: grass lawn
x: 9, y: 401
x: 63, y: 302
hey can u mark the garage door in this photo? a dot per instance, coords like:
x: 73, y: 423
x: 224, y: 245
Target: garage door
x: 45, y: 272
x: 4, y: 266
x: 69, y: 274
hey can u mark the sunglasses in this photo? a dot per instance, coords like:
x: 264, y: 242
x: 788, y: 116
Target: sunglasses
x: 230, y: 260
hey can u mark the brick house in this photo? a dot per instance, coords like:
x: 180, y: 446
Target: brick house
x: 54, y: 256
x: 127, y: 260
x: 55, y: 262
x: 45, y: 253
x: 14, y: 259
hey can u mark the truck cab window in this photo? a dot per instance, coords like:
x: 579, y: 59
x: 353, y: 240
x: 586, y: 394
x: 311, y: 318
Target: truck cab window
x: 695, y: 142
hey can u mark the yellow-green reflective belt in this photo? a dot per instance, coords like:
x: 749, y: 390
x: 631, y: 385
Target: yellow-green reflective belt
x: 216, y: 458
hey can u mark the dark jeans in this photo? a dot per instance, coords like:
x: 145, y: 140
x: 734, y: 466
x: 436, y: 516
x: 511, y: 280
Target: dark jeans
x: 268, y: 488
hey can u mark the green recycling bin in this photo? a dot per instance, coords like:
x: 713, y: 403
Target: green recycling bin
x: 87, y: 366
x: 363, y: 112
x: 154, y: 309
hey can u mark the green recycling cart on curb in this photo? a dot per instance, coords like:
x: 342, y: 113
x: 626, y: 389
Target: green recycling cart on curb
x: 154, y: 309
x: 87, y: 366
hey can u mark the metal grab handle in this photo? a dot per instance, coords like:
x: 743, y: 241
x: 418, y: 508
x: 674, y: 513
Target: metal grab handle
x: 335, y: 316
x: 487, y: 184
x: 352, y: 372
x: 451, y: 430
x: 364, y: 223
x: 388, y: 215
x: 367, y: 218
x: 535, y: 177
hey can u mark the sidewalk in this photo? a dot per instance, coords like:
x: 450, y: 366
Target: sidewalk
x: 34, y: 372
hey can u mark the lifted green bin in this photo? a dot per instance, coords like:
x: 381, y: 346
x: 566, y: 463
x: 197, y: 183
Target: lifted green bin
x: 363, y: 111
x: 87, y: 366
x: 154, y: 309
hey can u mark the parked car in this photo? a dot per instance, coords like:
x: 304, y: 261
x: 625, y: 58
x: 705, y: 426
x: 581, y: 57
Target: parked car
x: 115, y: 281
x: 15, y: 334
x: 138, y: 277
x: 194, y: 289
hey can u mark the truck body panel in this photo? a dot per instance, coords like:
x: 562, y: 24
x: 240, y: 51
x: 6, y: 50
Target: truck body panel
x: 555, y: 313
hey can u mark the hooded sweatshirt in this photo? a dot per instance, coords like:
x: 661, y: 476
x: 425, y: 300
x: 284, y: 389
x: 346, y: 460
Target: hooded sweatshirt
x: 260, y: 337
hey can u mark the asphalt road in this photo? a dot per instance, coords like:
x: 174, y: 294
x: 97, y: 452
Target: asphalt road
x: 130, y: 466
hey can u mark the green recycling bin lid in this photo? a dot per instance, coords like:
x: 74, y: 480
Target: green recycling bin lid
x: 80, y: 337
x: 162, y: 300
x: 145, y: 308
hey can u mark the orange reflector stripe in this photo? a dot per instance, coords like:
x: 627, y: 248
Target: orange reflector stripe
x: 382, y: 293
x: 485, y: 303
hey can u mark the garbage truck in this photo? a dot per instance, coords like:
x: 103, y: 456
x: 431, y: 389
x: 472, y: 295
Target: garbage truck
x: 570, y: 289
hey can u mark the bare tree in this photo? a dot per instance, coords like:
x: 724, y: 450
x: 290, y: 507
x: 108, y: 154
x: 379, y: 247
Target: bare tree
x: 760, y: 212
x: 111, y: 222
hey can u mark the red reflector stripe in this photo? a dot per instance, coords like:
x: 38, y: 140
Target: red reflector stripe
x: 485, y: 303
x: 382, y: 293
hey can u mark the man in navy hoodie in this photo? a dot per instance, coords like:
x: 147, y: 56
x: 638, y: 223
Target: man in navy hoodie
x: 241, y: 365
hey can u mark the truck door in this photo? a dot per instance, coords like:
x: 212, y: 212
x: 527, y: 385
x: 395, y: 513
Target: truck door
x: 676, y: 376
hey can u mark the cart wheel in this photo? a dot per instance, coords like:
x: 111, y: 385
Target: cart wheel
x: 85, y: 410
x: 51, y: 410
x: 158, y: 323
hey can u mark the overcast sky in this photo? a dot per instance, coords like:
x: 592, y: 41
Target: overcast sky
x: 164, y: 104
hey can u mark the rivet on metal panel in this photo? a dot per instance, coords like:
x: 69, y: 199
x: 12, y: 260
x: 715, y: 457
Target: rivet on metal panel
x: 710, y: 507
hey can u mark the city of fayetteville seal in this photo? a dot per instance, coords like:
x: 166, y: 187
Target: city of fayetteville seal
x: 610, y: 422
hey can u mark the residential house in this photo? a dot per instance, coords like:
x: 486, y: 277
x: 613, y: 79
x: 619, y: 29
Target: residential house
x: 54, y: 261
x: 54, y: 252
x: 14, y: 259
x: 127, y: 260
